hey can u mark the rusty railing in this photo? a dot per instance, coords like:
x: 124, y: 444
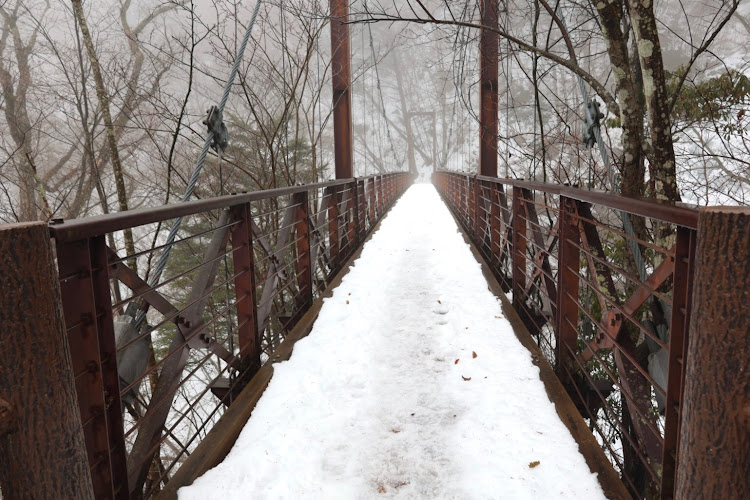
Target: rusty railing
x: 243, y: 271
x: 614, y: 328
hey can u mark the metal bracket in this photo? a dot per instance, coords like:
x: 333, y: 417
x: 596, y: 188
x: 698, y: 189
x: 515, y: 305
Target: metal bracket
x: 591, y: 123
x: 215, y: 124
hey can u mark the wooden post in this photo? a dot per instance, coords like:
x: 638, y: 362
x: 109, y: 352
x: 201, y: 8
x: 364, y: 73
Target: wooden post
x: 42, y: 447
x: 714, y: 447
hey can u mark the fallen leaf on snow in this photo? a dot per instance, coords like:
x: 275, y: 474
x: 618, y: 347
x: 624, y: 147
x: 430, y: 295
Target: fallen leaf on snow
x: 439, y: 302
x: 498, y: 317
x: 381, y: 489
x: 455, y: 362
x: 533, y: 464
x: 465, y: 378
x: 347, y: 302
x: 473, y: 354
x: 395, y: 431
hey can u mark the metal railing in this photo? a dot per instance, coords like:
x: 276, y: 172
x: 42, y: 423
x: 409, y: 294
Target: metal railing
x: 243, y: 270
x: 617, y: 342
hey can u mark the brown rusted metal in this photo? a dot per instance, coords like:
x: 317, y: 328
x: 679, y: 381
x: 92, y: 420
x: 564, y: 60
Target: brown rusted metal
x: 341, y: 78
x: 495, y: 227
x: 519, y: 248
x: 371, y: 201
x: 333, y: 229
x: 303, y: 262
x: 675, y: 213
x: 678, y: 341
x: 42, y: 444
x: 488, y: 104
x: 714, y: 451
x: 87, y: 227
x: 88, y: 317
x: 567, y: 287
x: 243, y: 258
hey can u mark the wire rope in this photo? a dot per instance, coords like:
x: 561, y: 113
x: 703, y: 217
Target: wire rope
x: 192, y: 183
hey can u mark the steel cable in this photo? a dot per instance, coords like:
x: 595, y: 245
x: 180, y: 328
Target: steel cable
x: 156, y: 276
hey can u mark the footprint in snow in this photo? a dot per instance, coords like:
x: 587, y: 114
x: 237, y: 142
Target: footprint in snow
x: 441, y: 309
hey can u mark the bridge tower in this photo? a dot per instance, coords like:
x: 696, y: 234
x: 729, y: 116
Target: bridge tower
x: 342, y: 99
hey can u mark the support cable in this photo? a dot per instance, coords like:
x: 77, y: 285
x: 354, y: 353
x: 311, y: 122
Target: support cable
x: 209, y: 142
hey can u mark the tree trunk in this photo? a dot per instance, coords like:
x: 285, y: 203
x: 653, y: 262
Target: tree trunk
x: 42, y: 448
x: 714, y: 447
x: 631, y: 114
x: 662, y: 159
x: 101, y: 93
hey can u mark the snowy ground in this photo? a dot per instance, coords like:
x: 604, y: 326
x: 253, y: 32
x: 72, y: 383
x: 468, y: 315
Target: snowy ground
x: 410, y: 385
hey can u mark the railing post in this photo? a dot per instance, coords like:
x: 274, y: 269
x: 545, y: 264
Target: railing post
x: 495, y: 215
x: 351, y: 216
x: 379, y: 191
x: 682, y: 287
x: 84, y: 285
x: 361, y: 210
x: 333, y: 228
x: 42, y: 445
x: 244, y: 287
x: 303, y: 262
x: 372, y: 200
x: 473, y: 208
x: 714, y: 446
x: 567, y: 287
x: 519, y: 249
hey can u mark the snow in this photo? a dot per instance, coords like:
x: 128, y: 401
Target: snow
x: 386, y: 397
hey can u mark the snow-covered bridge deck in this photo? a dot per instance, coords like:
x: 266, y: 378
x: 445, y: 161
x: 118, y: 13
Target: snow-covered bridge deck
x: 412, y: 384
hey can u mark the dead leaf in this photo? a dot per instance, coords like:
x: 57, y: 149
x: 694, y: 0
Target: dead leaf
x: 455, y: 362
x: 498, y: 317
x: 533, y: 464
x: 395, y: 431
x: 381, y: 489
x: 439, y: 302
x: 347, y: 302
x: 473, y: 354
x: 465, y: 379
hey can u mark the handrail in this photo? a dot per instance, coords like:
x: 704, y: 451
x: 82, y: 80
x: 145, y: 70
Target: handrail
x: 682, y: 214
x: 88, y: 227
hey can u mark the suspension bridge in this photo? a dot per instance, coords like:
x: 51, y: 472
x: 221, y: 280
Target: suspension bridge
x: 544, y: 350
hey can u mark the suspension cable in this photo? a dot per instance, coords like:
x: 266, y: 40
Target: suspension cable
x: 154, y: 279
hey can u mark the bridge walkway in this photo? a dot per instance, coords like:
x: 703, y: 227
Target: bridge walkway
x: 412, y: 384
